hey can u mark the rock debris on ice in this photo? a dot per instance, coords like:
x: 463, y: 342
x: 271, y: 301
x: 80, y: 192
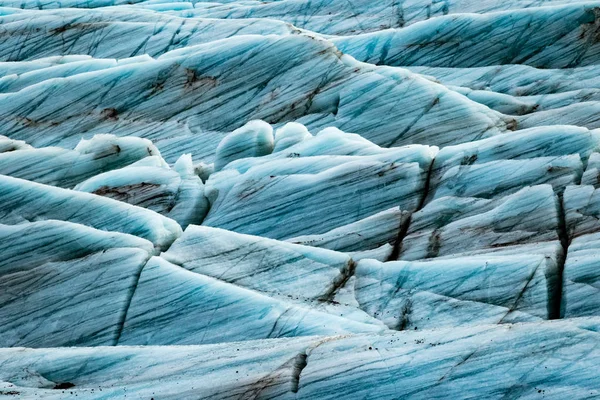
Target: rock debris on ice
x: 292, y: 199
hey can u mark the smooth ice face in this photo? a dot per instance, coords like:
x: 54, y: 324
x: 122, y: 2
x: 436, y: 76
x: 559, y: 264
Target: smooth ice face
x: 65, y: 284
x: 254, y: 139
x: 173, y: 371
x: 172, y: 305
x: 289, y: 135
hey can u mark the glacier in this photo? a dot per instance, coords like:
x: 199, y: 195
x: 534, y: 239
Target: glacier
x: 293, y: 199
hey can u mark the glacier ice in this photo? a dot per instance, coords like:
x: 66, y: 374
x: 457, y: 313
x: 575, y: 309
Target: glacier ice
x: 543, y: 37
x: 177, y: 193
x: 455, y: 362
x: 368, y: 235
x: 265, y: 265
x: 25, y: 201
x: 188, y: 94
x: 289, y: 135
x: 65, y: 284
x: 299, y: 199
x: 254, y: 139
x: 66, y: 168
x: 32, y: 35
x: 484, y: 289
x: 172, y: 305
x: 469, y: 225
x: 328, y: 191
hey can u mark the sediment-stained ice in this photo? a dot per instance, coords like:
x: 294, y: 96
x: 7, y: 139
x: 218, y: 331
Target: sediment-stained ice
x: 66, y: 168
x: 72, y: 289
x: 24, y: 201
x: 472, y: 290
x: 581, y: 276
x: 258, y: 263
x: 187, y: 94
x: 315, y: 194
x: 591, y: 175
x: 527, y: 221
x: 172, y: 305
x: 299, y: 199
x: 266, y: 368
x: 305, y: 275
x: 543, y: 37
x: 458, y: 363
x: 499, y: 166
x: 32, y: 34
x: 378, y: 231
x: 177, y: 193
x: 437, y: 363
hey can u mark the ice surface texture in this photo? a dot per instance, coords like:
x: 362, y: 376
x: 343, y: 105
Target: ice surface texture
x: 290, y: 199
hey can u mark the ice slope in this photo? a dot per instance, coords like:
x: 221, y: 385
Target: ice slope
x: 31, y: 35
x: 317, y: 189
x: 514, y: 79
x: 187, y: 94
x: 580, y: 277
x: 299, y: 199
x: 437, y: 364
x: 349, y: 18
x: 456, y: 363
x: 456, y: 225
x: 462, y: 291
x: 261, y: 264
x: 325, y: 16
x: 172, y: 305
x: 371, y: 237
x: 177, y: 193
x: 486, y: 168
x: 64, y: 284
x: 66, y: 168
x: 25, y: 201
x: 545, y: 37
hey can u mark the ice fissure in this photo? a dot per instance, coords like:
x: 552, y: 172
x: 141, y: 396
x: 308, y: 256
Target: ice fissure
x: 403, y: 228
x: 127, y: 304
x: 290, y: 199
